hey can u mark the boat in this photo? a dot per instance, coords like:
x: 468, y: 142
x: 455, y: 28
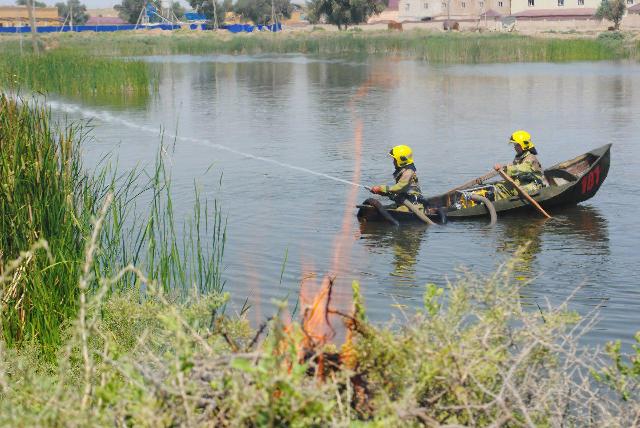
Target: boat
x: 569, y: 183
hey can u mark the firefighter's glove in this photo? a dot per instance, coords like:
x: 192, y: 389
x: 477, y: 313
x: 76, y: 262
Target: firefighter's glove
x: 377, y: 190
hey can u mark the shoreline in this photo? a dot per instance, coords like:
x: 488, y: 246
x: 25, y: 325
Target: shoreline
x: 431, y: 46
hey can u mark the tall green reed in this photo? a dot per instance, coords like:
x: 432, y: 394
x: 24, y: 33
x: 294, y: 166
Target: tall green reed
x: 435, y: 47
x: 42, y: 196
x: 45, y: 194
x: 73, y: 73
x: 183, y: 258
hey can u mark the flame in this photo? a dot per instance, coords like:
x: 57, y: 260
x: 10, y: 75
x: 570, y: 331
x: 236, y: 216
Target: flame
x: 317, y: 303
x: 315, y: 322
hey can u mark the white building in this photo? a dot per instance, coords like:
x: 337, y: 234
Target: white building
x: 557, y: 9
x: 417, y: 10
x: 460, y: 10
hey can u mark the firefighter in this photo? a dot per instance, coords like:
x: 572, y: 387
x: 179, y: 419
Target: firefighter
x: 525, y: 170
x: 407, y: 186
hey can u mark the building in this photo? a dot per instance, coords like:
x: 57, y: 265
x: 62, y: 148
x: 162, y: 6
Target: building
x: 635, y: 9
x: 420, y: 10
x: 468, y: 10
x: 459, y: 10
x: 557, y: 9
x: 18, y: 16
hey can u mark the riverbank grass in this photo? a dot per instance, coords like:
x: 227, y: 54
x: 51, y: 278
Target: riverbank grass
x: 47, y: 201
x: 42, y: 197
x: 74, y: 73
x: 434, y: 47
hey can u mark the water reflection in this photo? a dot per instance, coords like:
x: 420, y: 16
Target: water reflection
x: 584, y: 223
x: 404, y: 242
x: 575, y: 229
x: 523, y: 235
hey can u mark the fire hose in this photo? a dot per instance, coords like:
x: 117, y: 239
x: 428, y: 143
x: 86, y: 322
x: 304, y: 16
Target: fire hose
x: 414, y: 209
x: 487, y: 203
x: 383, y: 212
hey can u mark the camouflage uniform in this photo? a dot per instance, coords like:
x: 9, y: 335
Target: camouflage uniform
x: 526, y: 171
x: 406, y: 184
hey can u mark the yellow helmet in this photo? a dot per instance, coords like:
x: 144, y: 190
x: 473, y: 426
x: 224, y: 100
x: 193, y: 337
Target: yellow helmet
x: 523, y: 139
x: 402, y: 155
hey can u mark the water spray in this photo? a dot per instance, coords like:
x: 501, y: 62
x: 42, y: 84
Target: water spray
x: 108, y: 117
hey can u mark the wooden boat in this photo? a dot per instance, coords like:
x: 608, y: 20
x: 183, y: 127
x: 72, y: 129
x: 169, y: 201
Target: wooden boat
x: 570, y: 182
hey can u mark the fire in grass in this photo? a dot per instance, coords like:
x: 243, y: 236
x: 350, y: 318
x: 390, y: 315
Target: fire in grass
x: 319, y: 318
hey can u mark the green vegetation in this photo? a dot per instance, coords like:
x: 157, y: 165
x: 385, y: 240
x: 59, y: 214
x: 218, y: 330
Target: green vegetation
x: 46, y: 197
x: 624, y: 374
x: 73, y: 73
x: 73, y: 12
x: 261, y: 12
x: 612, y: 10
x: 36, y: 3
x: 143, y: 359
x: 42, y: 196
x: 434, y: 47
x: 344, y: 13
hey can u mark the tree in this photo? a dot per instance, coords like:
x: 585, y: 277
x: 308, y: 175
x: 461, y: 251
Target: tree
x: 612, y: 10
x: 80, y: 15
x: 177, y: 10
x: 129, y: 10
x: 262, y: 11
x: 206, y: 8
x: 24, y: 3
x: 344, y: 12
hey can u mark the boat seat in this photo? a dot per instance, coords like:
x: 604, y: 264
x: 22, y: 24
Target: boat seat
x: 557, y: 177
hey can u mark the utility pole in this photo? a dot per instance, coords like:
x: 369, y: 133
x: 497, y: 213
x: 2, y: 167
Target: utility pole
x: 21, y: 38
x: 32, y: 24
x: 71, y: 14
x: 215, y: 15
x: 273, y: 17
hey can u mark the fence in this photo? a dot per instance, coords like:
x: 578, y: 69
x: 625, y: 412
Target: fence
x: 246, y: 28
x: 96, y: 28
x: 235, y: 28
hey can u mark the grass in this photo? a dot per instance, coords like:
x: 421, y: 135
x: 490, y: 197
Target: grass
x: 76, y: 74
x: 434, y: 47
x: 42, y: 196
x: 47, y: 195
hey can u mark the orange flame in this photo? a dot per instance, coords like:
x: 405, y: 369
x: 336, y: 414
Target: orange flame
x: 315, y: 306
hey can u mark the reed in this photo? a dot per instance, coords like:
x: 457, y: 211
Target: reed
x: 182, y: 257
x: 434, y: 47
x: 42, y: 193
x: 47, y: 199
x: 73, y: 73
